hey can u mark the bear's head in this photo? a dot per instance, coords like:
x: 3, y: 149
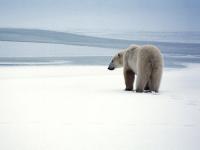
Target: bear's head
x: 116, y: 62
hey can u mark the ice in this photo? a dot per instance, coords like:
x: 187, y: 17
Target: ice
x: 86, y: 107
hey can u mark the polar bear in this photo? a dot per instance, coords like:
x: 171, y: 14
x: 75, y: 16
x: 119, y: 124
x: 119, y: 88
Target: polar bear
x: 144, y: 61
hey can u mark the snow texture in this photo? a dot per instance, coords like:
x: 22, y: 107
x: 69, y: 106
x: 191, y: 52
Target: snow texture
x: 86, y: 108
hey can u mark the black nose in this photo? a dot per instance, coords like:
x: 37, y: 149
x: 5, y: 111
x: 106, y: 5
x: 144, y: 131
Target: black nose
x: 111, y: 68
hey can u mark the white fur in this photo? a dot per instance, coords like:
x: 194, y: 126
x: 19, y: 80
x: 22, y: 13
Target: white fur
x: 147, y: 62
x: 144, y: 61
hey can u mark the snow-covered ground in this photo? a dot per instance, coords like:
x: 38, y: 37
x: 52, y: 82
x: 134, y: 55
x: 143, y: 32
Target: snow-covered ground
x: 86, y: 108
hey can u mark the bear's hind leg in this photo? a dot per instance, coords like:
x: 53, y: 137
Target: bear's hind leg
x: 147, y: 87
x: 143, y: 78
x: 156, y: 79
x: 140, y: 83
x: 129, y: 77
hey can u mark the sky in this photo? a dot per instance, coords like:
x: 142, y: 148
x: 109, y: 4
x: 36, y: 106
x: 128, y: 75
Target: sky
x: 135, y: 15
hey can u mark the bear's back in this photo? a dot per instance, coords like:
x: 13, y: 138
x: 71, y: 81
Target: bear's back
x: 150, y: 53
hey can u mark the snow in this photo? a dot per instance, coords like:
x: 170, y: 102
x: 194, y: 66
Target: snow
x: 76, y: 107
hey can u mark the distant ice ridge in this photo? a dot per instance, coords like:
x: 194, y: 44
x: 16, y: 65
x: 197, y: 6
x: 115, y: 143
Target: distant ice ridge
x: 79, y: 49
x: 182, y: 56
x: 170, y: 37
x: 46, y: 36
x: 98, y: 39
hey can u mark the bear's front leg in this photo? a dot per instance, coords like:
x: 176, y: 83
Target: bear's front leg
x: 129, y: 77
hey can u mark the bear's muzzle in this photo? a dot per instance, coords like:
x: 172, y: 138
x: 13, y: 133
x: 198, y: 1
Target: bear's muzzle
x: 111, y: 66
